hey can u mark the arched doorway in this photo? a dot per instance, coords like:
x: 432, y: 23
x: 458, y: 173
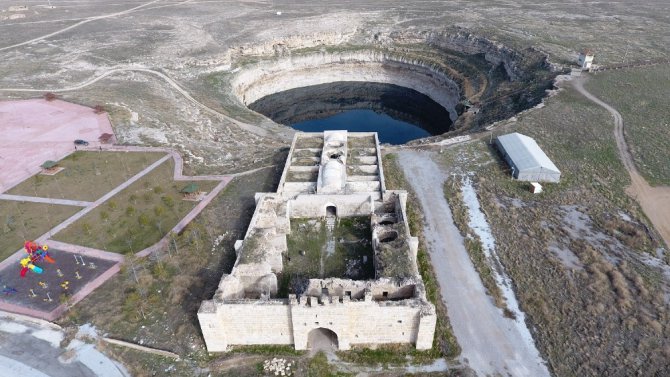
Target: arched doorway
x: 331, y: 211
x: 322, y: 339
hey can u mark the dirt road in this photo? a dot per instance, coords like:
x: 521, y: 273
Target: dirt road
x: 491, y: 344
x: 655, y: 201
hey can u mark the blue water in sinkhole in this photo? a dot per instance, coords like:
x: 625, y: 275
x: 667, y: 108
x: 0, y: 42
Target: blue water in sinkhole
x: 397, y: 114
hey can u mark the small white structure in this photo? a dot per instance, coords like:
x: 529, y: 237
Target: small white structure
x: 535, y: 187
x: 526, y: 158
x: 585, y: 59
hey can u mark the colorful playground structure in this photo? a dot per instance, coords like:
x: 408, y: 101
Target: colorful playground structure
x: 36, y: 254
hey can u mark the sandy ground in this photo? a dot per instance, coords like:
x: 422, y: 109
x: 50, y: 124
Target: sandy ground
x: 34, y: 131
x: 655, y: 201
x: 490, y: 343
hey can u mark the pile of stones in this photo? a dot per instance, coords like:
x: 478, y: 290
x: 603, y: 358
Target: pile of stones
x: 278, y: 367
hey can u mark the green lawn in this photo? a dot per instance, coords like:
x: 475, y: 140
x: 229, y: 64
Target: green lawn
x: 23, y: 221
x: 87, y: 175
x: 641, y: 96
x: 137, y: 217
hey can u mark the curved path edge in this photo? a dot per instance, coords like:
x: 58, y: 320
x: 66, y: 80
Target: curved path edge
x: 655, y: 201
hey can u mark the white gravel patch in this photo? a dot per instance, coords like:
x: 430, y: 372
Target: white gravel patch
x: 480, y: 226
x: 94, y: 360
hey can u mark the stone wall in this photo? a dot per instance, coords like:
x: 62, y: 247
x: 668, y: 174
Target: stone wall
x: 315, y: 205
x: 362, y: 322
x: 390, y: 309
x: 245, y: 323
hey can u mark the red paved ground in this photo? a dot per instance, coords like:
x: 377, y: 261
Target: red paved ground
x: 33, y: 131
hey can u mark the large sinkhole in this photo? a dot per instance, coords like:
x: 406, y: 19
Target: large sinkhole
x: 398, y: 114
x: 435, y: 83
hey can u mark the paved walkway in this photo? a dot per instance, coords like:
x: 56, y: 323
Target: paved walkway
x: 32, y: 349
x: 89, y: 206
x: 35, y: 199
x: 162, y: 244
x: 491, y: 343
x: 103, y: 199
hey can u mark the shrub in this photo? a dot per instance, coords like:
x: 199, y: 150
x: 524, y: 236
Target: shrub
x: 143, y: 219
x: 168, y: 201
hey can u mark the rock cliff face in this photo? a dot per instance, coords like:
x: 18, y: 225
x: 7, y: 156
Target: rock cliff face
x: 450, y: 68
x: 323, y: 101
x: 367, y: 66
x: 518, y: 64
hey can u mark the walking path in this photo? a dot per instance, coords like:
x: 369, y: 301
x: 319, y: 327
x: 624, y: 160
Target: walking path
x: 103, y: 199
x: 491, y: 343
x: 33, y: 348
x: 242, y: 125
x: 85, y: 21
x: 35, y: 199
x: 655, y: 201
x: 89, y: 206
x: 162, y: 244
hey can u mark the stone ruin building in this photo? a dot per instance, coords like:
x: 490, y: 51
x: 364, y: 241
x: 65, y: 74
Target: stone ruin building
x: 328, y: 255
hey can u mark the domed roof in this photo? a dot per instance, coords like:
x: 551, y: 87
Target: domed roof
x: 335, y: 138
x: 332, y: 175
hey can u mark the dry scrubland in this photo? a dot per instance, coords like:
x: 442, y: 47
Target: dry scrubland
x: 581, y: 254
x: 641, y: 96
x: 137, y: 217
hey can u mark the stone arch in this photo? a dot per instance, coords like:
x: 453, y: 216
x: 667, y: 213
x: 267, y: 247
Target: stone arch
x: 322, y: 339
x: 331, y: 210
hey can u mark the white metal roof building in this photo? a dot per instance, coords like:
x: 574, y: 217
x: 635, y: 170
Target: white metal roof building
x: 526, y: 158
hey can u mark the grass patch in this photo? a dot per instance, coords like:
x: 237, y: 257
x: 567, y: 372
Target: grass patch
x: 318, y: 366
x: 307, y: 248
x: 23, y: 221
x: 309, y: 142
x: 387, y: 354
x: 641, y: 96
x: 444, y: 342
x: 87, y: 175
x: 268, y: 350
x: 137, y: 217
x: 302, y: 176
